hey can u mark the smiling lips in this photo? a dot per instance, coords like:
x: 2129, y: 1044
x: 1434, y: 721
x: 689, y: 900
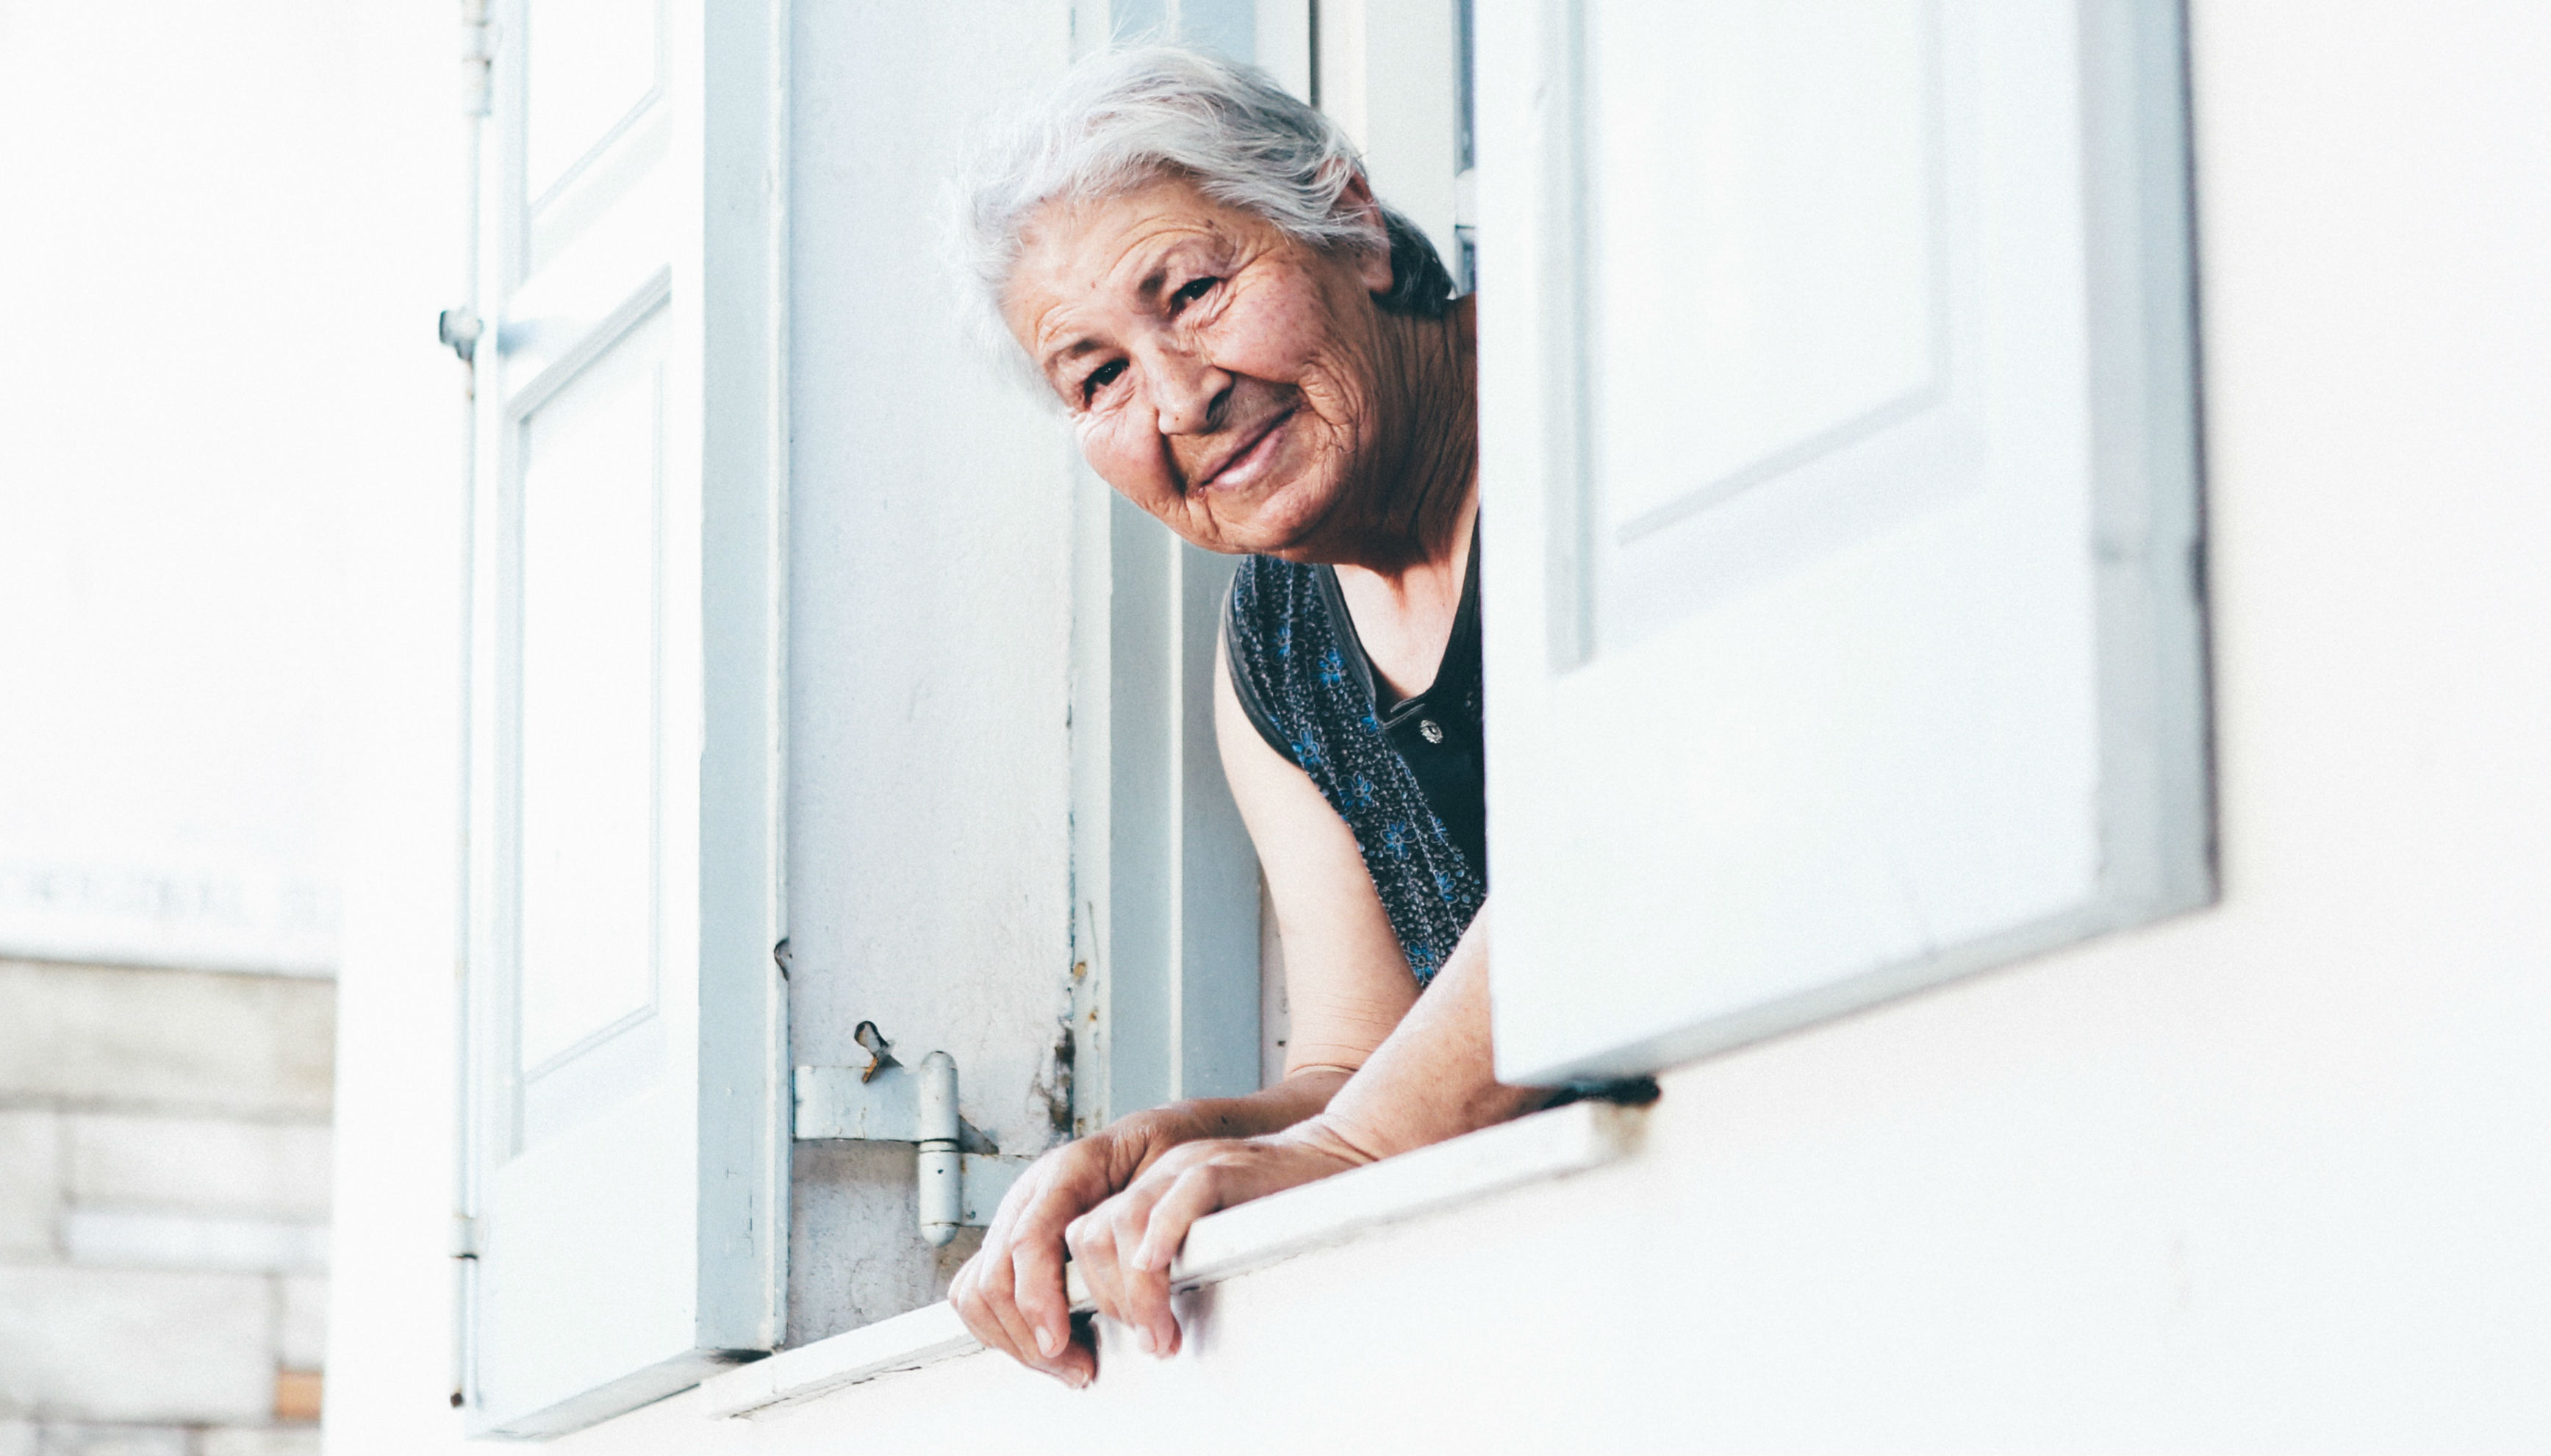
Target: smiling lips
x: 1249, y: 457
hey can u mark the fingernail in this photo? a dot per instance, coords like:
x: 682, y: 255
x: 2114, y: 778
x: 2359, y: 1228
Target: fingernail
x: 1164, y: 1348
x: 1143, y: 1339
x: 1047, y: 1344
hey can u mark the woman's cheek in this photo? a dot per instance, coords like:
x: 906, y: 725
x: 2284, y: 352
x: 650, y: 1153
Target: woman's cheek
x: 1126, y: 457
x: 1271, y: 334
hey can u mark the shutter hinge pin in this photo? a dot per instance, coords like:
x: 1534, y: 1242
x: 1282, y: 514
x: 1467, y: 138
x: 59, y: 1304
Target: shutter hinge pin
x: 961, y: 1175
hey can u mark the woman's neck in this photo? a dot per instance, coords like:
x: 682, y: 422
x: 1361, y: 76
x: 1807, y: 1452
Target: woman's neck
x: 1422, y: 496
x: 1402, y: 575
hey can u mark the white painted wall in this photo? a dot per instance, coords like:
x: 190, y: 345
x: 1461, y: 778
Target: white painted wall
x: 930, y: 664
x: 2269, y: 1177
x: 391, y: 204
x: 189, y: 401
x: 225, y: 234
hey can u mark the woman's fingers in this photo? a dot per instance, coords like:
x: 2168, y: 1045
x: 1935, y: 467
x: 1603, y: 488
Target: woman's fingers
x: 1193, y: 1193
x: 982, y: 1301
x: 1144, y: 1293
x: 1104, y: 1240
x: 1101, y: 1240
x: 1010, y: 1295
x: 1125, y: 1246
x: 986, y: 1300
x: 1041, y: 1313
x: 1093, y: 1253
x: 1198, y: 1192
x: 1077, y: 1366
x: 1036, y: 1288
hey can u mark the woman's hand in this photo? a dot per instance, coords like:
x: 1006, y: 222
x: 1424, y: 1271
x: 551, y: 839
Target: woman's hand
x: 1010, y: 1294
x: 1123, y: 1246
x: 1432, y: 1078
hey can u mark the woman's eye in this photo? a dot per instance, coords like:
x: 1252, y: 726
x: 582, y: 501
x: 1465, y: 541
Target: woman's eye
x: 1193, y: 291
x: 1100, y: 378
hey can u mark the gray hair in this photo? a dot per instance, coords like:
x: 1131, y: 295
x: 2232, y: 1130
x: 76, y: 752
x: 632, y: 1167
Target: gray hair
x: 1122, y: 119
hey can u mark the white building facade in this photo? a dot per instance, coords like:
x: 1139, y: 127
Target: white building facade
x: 2088, y: 932
x: 204, y: 237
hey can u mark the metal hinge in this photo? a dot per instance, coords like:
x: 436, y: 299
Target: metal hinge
x: 962, y: 1177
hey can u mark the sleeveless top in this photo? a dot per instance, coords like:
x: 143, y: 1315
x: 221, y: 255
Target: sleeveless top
x: 1407, y: 776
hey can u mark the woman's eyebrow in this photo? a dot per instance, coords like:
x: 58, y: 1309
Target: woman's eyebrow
x: 1148, y: 285
x: 1175, y: 255
x: 1154, y: 281
x: 1066, y: 352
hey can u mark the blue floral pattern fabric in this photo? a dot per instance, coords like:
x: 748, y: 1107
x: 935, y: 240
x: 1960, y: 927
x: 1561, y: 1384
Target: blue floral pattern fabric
x: 1405, y: 777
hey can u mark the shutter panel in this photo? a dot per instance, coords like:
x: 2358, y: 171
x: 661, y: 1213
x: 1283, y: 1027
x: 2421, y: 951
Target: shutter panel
x: 1840, y: 465
x: 625, y: 1125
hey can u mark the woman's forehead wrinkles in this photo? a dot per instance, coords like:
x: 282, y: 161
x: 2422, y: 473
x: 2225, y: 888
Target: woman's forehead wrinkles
x: 1078, y: 267
x: 1053, y: 348
x: 1138, y: 277
x: 1146, y: 255
x: 1092, y: 261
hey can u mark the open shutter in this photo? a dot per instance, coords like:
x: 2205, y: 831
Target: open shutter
x: 1840, y: 478
x: 626, y: 1120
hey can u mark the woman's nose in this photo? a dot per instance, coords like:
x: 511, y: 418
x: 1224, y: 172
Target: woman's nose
x: 1188, y: 393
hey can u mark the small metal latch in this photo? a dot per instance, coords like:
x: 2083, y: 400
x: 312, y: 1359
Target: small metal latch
x: 888, y: 1103
x: 872, y: 1042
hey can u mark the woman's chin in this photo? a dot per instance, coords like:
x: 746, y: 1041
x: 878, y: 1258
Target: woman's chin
x: 1277, y: 519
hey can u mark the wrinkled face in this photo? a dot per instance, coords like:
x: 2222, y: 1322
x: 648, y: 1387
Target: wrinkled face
x: 1220, y: 374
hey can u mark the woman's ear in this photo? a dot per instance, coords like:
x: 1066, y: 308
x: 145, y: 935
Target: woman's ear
x: 1372, y: 265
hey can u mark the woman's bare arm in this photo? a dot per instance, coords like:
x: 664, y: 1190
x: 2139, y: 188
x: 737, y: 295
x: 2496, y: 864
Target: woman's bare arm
x: 1347, y: 986
x: 1346, y: 982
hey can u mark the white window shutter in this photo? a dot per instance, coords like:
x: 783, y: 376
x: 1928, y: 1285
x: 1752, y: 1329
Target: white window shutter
x: 626, y: 1120
x: 1840, y: 481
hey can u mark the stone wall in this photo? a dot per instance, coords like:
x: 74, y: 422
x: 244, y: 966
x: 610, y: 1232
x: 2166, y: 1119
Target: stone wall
x: 163, y: 1210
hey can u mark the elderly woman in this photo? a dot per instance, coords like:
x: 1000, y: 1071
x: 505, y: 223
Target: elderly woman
x: 1256, y: 349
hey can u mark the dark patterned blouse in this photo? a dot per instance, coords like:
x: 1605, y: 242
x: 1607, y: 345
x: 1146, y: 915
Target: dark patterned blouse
x: 1406, y: 777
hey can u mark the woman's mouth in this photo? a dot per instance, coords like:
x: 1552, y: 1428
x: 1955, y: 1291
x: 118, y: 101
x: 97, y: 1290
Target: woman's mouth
x: 1253, y: 456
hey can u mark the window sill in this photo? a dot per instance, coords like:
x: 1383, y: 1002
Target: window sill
x: 1546, y: 1145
